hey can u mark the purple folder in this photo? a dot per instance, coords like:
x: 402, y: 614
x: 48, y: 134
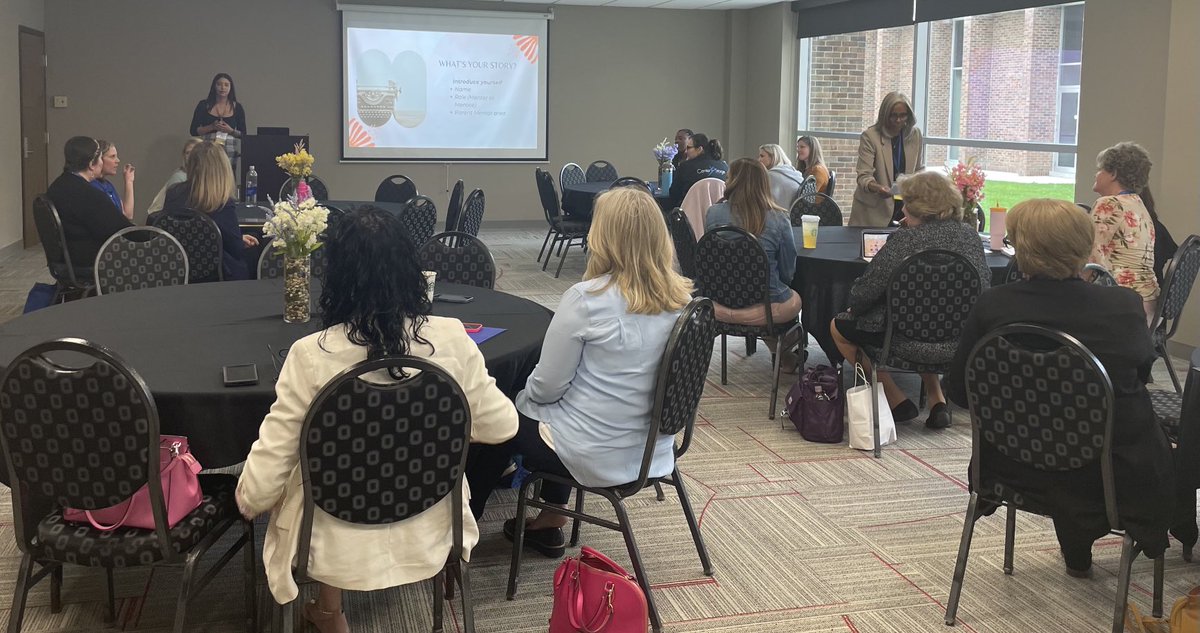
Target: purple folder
x: 484, y: 334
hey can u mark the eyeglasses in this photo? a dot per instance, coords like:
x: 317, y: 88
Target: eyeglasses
x: 903, y: 116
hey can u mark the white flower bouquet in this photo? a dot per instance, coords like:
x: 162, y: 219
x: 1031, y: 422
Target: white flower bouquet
x: 295, y: 226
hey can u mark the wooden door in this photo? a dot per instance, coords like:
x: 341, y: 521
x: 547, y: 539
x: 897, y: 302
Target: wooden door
x: 34, y: 136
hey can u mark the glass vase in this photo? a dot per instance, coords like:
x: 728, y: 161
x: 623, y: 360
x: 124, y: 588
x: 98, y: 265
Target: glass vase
x: 296, y: 272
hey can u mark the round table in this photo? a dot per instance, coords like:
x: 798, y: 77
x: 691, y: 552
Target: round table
x: 825, y: 274
x: 178, y: 339
x: 577, y: 199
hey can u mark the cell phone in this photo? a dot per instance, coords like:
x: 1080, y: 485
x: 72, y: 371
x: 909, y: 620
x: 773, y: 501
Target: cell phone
x: 240, y: 375
x: 453, y: 298
x: 472, y: 328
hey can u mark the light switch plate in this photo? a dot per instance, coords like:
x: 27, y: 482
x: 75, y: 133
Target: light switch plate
x: 60, y: 102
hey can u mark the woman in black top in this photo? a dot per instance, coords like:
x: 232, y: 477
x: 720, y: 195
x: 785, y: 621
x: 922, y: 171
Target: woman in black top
x: 87, y: 214
x: 701, y: 159
x: 220, y: 111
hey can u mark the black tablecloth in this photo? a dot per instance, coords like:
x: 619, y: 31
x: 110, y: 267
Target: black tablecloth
x: 179, y: 338
x: 825, y: 274
x: 577, y: 199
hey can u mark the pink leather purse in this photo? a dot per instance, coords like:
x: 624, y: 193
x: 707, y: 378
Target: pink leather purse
x: 180, y: 487
x: 592, y: 594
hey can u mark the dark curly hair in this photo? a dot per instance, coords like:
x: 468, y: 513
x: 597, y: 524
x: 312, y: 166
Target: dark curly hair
x: 374, y: 284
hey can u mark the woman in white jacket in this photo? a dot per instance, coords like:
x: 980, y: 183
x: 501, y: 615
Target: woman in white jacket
x: 374, y: 303
x: 786, y: 180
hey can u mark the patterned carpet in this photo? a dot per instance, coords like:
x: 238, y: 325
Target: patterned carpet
x: 803, y: 537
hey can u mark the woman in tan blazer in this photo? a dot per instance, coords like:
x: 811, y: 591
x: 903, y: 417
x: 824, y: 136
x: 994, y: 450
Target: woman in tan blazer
x: 878, y: 153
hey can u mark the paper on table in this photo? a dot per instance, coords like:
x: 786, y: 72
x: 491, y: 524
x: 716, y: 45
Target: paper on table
x: 484, y: 334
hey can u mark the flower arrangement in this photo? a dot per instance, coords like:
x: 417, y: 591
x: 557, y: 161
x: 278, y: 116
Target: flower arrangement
x: 665, y: 151
x: 295, y: 225
x: 298, y: 163
x: 969, y: 178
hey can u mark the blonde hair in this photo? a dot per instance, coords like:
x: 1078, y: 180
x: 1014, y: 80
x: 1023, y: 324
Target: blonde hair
x: 885, y: 110
x: 1052, y: 238
x: 930, y: 195
x: 775, y: 153
x: 748, y: 190
x: 210, y: 178
x: 814, y: 153
x: 628, y: 241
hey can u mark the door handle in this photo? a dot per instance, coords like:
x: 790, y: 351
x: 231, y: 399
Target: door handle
x: 25, y: 151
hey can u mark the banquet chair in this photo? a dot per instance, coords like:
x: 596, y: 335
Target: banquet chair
x: 396, y: 188
x: 685, y: 242
x: 565, y: 232
x: 394, y: 421
x: 980, y: 218
x: 1059, y: 379
x: 86, y: 435
x: 817, y: 204
x: 69, y: 282
x: 631, y: 181
x: 600, y: 171
x: 454, y: 209
x: 732, y: 269
x: 419, y: 216
x: 808, y: 187
x: 471, y: 218
x: 571, y: 174
x: 271, y: 262
x: 1178, y: 280
x: 317, y: 186
x: 929, y: 297
x: 829, y: 185
x: 140, y: 257
x: 678, y: 385
x: 201, y: 240
x: 1013, y: 272
x: 459, y: 258
x: 1099, y: 275
x: 1179, y: 417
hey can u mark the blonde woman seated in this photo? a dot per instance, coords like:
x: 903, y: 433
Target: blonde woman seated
x: 586, y: 407
x: 1053, y: 239
x: 374, y: 302
x: 1124, y: 239
x: 786, y: 181
x: 932, y: 220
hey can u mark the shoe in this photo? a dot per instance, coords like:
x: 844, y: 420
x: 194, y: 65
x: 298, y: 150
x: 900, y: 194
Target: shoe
x: 905, y: 411
x: 1082, y: 574
x: 326, y: 621
x: 1078, y: 565
x: 939, y: 417
x: 1187, y: 535
x: 548, y: 542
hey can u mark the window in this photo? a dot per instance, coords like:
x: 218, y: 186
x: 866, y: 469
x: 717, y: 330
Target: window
x: 956, y: 79
x: 1070, y: 62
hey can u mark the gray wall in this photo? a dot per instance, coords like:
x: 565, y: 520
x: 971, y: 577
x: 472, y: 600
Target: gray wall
x: 134, y: 78
x: 28, y: 13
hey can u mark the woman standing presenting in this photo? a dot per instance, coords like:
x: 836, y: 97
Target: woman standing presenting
x: 887, y: 149
x: 220, y: 112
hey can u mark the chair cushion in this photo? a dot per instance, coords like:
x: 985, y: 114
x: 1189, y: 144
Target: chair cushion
x: 129, y: 547
x: 1168, y: 406
x: 578, y: 227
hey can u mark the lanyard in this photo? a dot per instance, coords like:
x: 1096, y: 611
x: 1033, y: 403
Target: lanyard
x: 897, y: 155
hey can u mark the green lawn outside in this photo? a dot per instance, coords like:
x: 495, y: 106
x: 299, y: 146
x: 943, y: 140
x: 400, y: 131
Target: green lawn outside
x: 1006, y: 194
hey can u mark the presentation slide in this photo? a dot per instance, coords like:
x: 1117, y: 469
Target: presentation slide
x: 443, y: 85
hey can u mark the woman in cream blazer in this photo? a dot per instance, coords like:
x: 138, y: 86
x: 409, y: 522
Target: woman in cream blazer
x: 374, y: 300
x: 873, y: 201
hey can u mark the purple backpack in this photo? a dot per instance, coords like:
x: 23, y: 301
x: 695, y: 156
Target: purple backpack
x: 815, y: 405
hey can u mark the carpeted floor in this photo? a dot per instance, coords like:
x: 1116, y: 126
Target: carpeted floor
x: 803, y: 537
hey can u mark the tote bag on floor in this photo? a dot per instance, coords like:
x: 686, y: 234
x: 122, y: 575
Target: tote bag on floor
x: 858, y: 414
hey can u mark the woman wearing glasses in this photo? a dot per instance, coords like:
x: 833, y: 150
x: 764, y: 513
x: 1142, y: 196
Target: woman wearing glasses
x: 88, y: 215
x: 809, y: 162
x: 886, y: 150
x: 701, y: 159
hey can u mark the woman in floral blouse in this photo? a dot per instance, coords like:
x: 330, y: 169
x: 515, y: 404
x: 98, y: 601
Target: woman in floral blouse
x: 1124, y: 243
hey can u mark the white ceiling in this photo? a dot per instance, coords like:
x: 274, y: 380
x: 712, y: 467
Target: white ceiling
x: 656, y: 4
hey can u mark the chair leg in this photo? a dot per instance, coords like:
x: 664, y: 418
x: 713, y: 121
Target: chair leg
x: 874, y: 381
x: 635, y: 556
x: 544, y: 243
x: 514, y: 570
x: 251, y: 579
x: 1170, y: 369
x: 724, y: 378
x: 775, y: 376
x: 439, y: 583
x: 658, y: 493
x: 751, y: 345
x: 468, y: 602
x: 281, y: 618
x: 111, y: 616
x: 56, y: 578
x: 1158, y: 586
x: 556, y: 242
x: 960, y: 565
x: 185, y: 589
x: 575, y: 522
x: 17, y: 612
x: 562, y: 259
x: 693, y: 525
x: 1010, y: 536
x: 1128, y: 553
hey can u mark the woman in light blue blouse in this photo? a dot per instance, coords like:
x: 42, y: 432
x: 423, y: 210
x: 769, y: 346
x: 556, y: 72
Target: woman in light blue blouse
x: 585, y: 410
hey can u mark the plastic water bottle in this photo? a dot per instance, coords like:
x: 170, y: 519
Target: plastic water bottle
x: 252, y: 186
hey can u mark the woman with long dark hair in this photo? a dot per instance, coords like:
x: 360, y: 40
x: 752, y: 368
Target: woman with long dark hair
x: 220, y: 111
x: 374, y: 304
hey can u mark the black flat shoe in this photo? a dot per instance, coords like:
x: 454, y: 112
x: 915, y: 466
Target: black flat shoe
x: 939, y: 417
x: 905, y: 411
x: 548, y: 542
x: 1187, y: 535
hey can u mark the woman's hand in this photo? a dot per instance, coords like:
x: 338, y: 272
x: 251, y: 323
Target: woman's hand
x: 881, y: 191
x: 222, y: 126
x: 249, y: 240
x: 128, y: 174
x: 241, y: 504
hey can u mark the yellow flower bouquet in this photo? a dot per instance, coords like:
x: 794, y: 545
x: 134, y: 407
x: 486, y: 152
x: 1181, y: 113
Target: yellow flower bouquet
x: 298, y: 163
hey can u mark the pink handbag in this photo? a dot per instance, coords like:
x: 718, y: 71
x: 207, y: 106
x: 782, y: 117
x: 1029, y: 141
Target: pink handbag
x: 592, y: 594
x: 180, y: 487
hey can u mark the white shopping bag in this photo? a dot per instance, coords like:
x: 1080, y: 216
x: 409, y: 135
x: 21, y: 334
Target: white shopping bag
x: 858, y: 414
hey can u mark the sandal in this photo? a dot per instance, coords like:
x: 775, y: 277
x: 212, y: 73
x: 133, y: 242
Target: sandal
x: 326, y: 621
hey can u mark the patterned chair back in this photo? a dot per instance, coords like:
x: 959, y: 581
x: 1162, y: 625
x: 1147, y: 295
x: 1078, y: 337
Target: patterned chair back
x: 817, y: 204
x: 454, y: 210
x: 397, y: 188
x: 571, y: 174
x: 140, y: 257
x: 54, y: 241
x: 1177, y: 285
x: 374, y: 450
x: 459, y: 258
x: 732, y: 269
x: 1040, y: 398
x: 930, y: 295
x: 201, y: 240
x: 472, y: 213
x: 81, y: 435
x: 1100, y: 275
x: 601, y: 170
x: 270, y: 263
x: 548, y: 195
x: 420, y: 218
x: 315, y: 185
x: 808, y: 187
x: 829, y: 185
x: 685, y: 242
x: 630, y: 181
x: 1013, y: 272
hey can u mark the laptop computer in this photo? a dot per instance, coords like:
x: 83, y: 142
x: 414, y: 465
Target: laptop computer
x: 872, y: 241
